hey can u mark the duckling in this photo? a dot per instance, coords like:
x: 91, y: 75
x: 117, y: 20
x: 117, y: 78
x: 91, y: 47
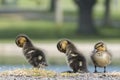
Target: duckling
x: 34, y: 56
x: 75, y: 59
x: 100, y: 56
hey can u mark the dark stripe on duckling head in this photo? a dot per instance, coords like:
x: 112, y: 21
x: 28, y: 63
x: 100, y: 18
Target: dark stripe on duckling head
x: 58, y: 46
x: 100, y: 46
x: 21, y: 40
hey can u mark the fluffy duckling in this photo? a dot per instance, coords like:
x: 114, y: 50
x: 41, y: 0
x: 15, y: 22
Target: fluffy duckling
x: 100, y: 56
x: 75, y: 59
x: 35, y: 56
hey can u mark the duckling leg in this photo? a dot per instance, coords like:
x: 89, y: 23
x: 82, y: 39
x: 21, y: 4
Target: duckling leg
x: 104, y: 69
x: 95, y: 69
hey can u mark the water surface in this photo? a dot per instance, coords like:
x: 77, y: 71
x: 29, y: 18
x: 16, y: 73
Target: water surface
x: 57, y: 68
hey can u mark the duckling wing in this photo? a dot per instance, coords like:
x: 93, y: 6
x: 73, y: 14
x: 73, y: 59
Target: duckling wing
x: 109, y: 54
x: 101, y: 59
x: 38, y: 57
x: 77, y: 62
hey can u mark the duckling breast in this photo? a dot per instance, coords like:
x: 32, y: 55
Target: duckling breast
x: 101, y: 59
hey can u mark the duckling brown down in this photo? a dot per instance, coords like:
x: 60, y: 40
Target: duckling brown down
x: 100, y: 56
x: 75, y: 59
x: 35, y: 56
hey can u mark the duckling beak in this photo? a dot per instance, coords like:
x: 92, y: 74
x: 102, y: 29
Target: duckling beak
x: 95, y: 50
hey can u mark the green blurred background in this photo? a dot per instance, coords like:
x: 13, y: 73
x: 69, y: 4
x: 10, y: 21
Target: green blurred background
x: 45, y: 25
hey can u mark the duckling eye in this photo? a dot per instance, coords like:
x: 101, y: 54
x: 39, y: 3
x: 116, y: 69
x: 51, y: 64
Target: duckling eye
x: 103, y: 46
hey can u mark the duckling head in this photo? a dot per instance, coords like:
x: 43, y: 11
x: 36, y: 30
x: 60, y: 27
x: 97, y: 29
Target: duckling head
x: 62, y: 45
x: 21, y: 40
x: 100, y: 46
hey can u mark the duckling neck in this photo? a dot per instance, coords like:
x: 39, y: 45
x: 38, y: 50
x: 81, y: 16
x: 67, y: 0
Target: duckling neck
x: 28, y: 44
x: 70, y: 48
